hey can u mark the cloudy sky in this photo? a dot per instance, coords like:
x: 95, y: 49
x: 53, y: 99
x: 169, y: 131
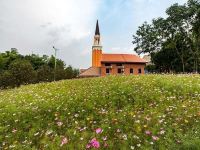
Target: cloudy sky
x: 34, y: 26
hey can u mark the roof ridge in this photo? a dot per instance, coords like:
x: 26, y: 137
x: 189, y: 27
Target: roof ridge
x: 86, y: 69
x: 91, y: 71
x: 122, y: 58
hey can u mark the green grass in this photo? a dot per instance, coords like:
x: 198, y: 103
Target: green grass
x: 134, y: 112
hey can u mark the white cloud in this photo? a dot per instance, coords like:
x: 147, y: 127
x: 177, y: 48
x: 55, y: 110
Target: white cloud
x: 36, y: 25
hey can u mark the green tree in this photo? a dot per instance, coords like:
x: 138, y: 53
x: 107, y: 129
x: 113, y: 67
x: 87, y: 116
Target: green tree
x: 6, y: 80
x: 59, y: 63
x: 194, y: 13
x: 7, y: 58
x: 177, y: 35
x: 71, y: 73
x: 35, y: 60
x: 16, y: 69
x: 22, y: 72
x: 44, y: 74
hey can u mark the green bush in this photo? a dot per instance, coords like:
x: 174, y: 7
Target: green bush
x: 22, y: 72
x: 6, y: 79
x: 16, y: 69
x: 44, y: 74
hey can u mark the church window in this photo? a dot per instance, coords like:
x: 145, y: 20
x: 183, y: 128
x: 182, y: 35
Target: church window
x: 119, y: 71
x: 131, y: 71
x: 140, y: 71
x: 107, y: 71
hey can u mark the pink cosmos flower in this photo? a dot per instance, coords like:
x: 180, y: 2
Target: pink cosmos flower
x: 148, y: 132
x: 105, y: 144
x: 155, y: 138
x: 88, y: 146
x: 64, y: 141
x: 98, y: 130
x: 93, y: 143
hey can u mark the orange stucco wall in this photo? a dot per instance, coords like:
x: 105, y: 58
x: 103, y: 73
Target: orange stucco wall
x: 127, y: 67
x: 96, y: 58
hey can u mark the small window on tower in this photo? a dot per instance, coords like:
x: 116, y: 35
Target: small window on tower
x: 107, y: 71
x: 131, y: 71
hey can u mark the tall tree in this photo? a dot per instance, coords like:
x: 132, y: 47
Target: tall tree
x: 22, y: 72
x: 178, y: 34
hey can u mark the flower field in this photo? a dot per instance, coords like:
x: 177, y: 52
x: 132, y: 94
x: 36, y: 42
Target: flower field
x: 121, y: 112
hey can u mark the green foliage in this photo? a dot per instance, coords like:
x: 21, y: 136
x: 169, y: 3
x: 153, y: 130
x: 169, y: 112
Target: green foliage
x: 36, y: 60
x: 7, y: 58
x: 70, y: 72
x: 16, y: 69
x: 44, y: 74
x: 134, y: 112
x: 151, y: 68
x: 6, y: 79
x: 175, y: 41
x: 60, y: 64
x: 22, y: 72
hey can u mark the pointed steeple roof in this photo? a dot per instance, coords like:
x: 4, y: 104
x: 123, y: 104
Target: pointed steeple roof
x: 97, y: 32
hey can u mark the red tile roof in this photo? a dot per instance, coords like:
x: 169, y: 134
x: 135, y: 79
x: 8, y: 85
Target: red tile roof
x: 91, y: 72
x: 122, y: 58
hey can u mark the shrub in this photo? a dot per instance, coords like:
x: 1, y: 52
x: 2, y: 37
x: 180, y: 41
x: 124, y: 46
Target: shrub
x: 22, y: 72
x: 44, y: 74
x: 6, y: 80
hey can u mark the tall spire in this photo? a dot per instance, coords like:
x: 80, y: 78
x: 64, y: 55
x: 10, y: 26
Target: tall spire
x: 97, y: 29
x: 97, y: 48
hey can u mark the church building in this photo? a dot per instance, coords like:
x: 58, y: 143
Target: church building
x: 104, y: 64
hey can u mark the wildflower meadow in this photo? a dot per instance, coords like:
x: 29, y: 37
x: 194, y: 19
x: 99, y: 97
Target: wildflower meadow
x: 115, y: 112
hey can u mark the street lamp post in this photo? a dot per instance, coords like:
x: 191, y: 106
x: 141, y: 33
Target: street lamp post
x: 55, y: 63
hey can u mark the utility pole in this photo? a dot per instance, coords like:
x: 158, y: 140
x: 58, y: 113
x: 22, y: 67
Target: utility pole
x: 55, y: 63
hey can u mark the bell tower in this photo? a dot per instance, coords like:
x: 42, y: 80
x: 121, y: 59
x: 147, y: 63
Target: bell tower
x: 97, y: 48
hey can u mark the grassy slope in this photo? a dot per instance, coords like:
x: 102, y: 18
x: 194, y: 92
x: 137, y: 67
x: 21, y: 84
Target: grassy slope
x: 40, y: 116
